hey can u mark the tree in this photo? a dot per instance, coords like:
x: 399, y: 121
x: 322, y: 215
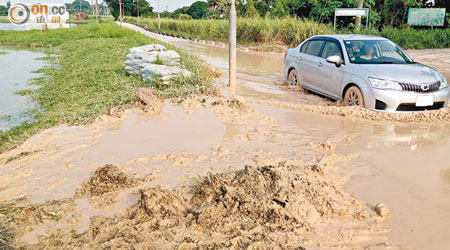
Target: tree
x: 218, y: 8
x: 3, y: 10
x: 78, y: 6
x: 179, y: 11
x: 250, y: 10
x: 198, y: 10
x: 129, y: 8
x: 278, y: 9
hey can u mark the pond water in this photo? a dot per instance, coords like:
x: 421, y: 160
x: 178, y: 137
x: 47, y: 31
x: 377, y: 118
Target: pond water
x: 34, y: 26
x: 16, y: 71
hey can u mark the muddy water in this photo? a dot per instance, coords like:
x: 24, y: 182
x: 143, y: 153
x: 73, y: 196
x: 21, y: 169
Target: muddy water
x: 404, y: 166
x: 17, y: 68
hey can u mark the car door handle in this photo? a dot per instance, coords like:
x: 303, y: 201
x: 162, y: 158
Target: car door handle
x: 300, y: 58
x: 319, y: 64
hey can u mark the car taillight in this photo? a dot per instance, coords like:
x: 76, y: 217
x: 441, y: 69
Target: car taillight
x: 285, y: 54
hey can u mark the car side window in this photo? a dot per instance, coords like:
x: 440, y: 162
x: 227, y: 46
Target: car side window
x: 332, y: 49
x: 303, y: 48
x: 314, y: 47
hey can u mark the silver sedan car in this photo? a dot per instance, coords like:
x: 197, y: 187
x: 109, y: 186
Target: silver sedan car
x: 364, y: 70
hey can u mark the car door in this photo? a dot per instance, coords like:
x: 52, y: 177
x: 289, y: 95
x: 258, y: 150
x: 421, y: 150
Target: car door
x: 307, y: 63
x: 328, y: 74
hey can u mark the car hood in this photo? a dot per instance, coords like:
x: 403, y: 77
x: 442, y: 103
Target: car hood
x: 408, y: 73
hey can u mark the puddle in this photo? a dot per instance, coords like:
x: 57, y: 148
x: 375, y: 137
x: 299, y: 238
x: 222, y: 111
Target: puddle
x: 66, y: 156
x: 17, y: 68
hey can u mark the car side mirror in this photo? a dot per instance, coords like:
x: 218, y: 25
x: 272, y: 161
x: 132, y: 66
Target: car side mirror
x: 334, y: 59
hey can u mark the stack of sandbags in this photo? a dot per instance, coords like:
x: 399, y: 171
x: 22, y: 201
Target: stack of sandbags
x: 154, y: 72
x: 154, y: 61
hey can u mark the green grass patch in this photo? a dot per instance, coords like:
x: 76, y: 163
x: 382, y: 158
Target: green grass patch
x: 287, y: 31
x: 88, y: 77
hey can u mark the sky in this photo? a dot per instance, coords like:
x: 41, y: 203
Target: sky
x: 171, y: 5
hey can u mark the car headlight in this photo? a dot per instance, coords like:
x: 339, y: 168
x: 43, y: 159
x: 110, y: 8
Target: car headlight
x: 443, y: 83
x: 384, y: 84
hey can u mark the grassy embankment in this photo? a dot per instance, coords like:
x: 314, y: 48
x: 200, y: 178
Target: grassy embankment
x: 288, y: 31
x: 89, y: 78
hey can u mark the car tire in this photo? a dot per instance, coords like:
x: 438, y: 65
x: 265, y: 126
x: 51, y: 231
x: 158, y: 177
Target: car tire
x: 293, y: 78
x: 354, y: 97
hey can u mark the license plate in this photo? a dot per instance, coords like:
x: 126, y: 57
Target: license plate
x: 424, y: 100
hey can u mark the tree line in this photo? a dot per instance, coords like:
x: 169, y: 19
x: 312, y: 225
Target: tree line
x: 383, y: 12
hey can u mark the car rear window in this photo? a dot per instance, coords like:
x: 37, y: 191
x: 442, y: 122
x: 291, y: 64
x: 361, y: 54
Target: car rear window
x: 303, y: 48
x: 314, y: 47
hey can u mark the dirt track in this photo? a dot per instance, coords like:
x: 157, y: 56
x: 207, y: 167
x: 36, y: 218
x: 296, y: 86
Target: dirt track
x: 168, y: 153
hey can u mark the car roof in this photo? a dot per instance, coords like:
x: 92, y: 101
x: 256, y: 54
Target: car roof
x: 351, y: 37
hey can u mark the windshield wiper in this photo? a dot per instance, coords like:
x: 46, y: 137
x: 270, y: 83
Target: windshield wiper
x: 386, y: 62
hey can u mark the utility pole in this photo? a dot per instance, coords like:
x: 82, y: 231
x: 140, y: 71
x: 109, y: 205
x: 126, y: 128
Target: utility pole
x: 232, y: 47
x: 159, y: 18
x: 358, y: 18
x: 96, y: 9
x: 120, y: 15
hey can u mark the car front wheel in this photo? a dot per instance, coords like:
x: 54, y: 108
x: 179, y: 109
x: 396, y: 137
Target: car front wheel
x: 354, y: 97
x: 293, y: 78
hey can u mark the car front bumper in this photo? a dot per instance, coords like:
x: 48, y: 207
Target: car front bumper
x: 402, y: 101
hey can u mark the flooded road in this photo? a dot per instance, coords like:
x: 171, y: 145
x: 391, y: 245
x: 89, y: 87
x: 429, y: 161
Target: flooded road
x: 17, y: 67
x: 405, y: 166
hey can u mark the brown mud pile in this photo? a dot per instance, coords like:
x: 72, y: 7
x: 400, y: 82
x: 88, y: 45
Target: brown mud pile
x: 105, y: 180
x: 270, y: 207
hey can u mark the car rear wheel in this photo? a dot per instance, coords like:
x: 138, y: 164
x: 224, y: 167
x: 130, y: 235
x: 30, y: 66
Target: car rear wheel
x: 354, y: 97
x: 293, y: 78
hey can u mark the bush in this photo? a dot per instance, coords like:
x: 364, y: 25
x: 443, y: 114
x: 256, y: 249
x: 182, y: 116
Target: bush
x: 184, y: 17
x: 289, y: 31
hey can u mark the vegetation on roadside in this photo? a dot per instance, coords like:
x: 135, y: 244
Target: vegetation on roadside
x: 90, y: 78
x: 288, y: 31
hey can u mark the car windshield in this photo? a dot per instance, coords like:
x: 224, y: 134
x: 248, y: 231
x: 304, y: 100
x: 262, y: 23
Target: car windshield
x: 375, y: 52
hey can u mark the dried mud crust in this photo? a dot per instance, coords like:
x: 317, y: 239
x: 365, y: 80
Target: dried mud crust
x: 266, y: 207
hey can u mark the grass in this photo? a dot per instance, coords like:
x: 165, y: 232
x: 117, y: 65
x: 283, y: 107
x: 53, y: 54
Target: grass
x: 249, y: 30
x: 287, y: 31
x: 90, y: 78
x: 90, y: 19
